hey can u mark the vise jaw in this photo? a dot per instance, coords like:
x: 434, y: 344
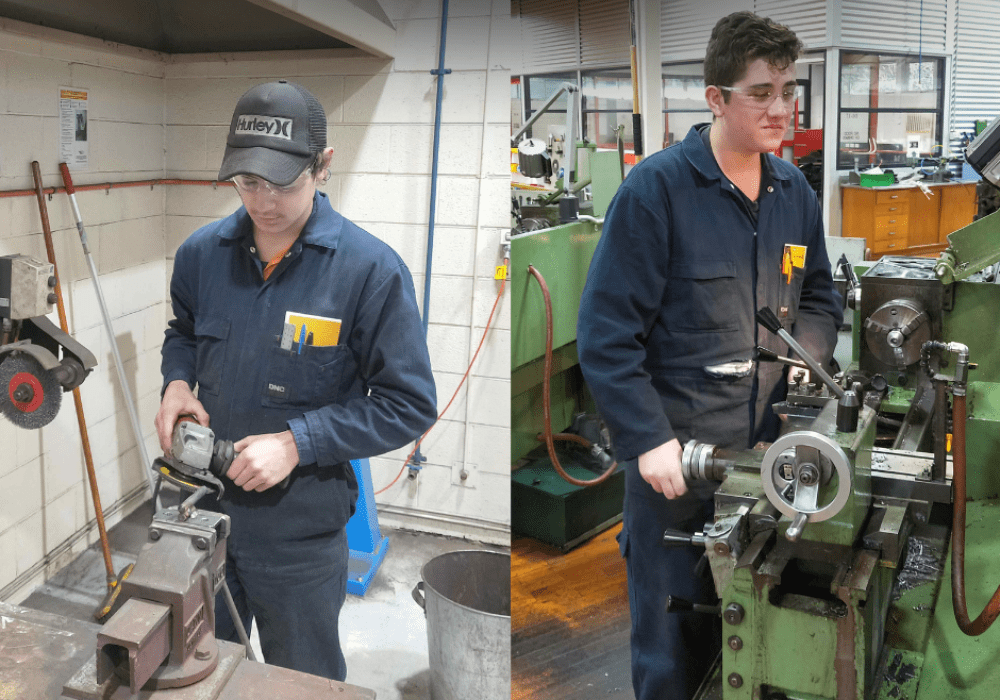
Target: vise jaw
x: 162, y: 634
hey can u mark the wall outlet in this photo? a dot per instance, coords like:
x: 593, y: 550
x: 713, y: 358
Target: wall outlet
x: 464, y: 474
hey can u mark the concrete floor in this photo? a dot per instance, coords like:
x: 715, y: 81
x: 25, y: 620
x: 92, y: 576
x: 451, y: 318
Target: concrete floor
x: 383, y: 634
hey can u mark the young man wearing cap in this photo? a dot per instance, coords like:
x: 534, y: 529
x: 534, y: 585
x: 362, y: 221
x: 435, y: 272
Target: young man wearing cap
x: 302, y: 334
x: 698, y: 237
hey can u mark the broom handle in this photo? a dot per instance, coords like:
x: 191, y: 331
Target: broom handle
x: 81, y: 420
x: 126, y: 392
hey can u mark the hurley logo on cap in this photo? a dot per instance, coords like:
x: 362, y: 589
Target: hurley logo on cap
x: 253, y: 124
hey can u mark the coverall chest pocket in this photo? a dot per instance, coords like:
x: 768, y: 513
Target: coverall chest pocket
x: 703, y: 296
x: 789, y: 291
x: 305, y: 380
x: 211, y: 335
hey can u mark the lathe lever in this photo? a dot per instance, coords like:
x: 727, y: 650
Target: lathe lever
x: 676, y: 538
x: 675, y: 604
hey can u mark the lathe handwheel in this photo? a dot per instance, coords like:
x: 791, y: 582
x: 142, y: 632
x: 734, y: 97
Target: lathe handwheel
x: 776, y: 486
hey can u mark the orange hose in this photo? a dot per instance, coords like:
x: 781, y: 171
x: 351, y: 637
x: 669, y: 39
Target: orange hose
x: 465, y: 376
x: 549, y: 438
x: 992, y: 609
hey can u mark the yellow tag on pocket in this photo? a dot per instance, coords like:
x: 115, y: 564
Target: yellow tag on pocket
x: 322, y: 331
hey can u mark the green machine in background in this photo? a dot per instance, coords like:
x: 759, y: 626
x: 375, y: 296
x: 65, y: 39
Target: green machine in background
x: 544, y: 505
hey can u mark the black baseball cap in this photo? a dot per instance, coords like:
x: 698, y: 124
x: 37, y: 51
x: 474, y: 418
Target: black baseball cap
x: 277, y: 130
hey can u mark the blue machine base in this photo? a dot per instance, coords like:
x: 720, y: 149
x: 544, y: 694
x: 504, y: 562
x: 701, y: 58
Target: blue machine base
x: 363, y: 566
x: 364, y: 537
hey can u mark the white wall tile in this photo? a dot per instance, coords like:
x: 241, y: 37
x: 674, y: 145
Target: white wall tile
x: 8, y: 455
x: 458, y: 201
x: 20, y: 143
x: 386, y: 198
x: 60, y: 518
x: 178, y: 228
x: 186, y: 148
x: 496, y: 151
x: 8, y: 557
x: 30, y: 542
x: 328, y: 89
x: 489, y: 448
x: 20, y: 493
x: 460, y: 152
x: 400, y: 98
x: 34, y: 84
x: 489, y: 400
x: 204, y: 101
x: 454, y: 251
x: 467, y: 39
x: 494, y: 357
x: 451, y: 300
x: 142, y: 99
x: 408, y: 240
x: 359, y: 149
x: 62, y: 462
x: 464, y: 93
x: 211, y: 202
x: 417, y: 44
x: 449, y: 347
x: 498, y: 96
x: 486, y: 295
x: 104, y: 86
x: 494, y: 211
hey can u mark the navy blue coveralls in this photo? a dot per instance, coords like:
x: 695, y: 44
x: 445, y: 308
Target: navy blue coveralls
x: 370, y: 393
x: 682, y: 266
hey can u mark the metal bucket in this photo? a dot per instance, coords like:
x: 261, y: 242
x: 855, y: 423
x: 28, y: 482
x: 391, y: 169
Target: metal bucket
x: 466, y: 599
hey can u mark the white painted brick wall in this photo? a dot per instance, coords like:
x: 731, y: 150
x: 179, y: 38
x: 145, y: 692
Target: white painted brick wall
x: 43, y: 471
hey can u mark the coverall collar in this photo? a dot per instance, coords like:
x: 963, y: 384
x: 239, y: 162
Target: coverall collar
x: 322, y: 228
x: 704, y: 162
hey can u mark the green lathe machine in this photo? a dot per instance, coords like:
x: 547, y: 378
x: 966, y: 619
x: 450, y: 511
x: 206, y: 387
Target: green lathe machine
x: 553, y: 240
x: 850, y: 554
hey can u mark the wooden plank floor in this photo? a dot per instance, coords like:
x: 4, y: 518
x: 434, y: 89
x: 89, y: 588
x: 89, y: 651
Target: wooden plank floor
x: 569, y: 621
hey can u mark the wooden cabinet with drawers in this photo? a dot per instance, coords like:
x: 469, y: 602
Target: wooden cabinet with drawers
x: 903, y: 219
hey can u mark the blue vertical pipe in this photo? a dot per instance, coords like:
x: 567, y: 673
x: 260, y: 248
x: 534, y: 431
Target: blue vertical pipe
x: 440, y: 72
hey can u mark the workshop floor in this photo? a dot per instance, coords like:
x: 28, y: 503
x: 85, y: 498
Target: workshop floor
x: 384, y: 634
x: 570, y: 621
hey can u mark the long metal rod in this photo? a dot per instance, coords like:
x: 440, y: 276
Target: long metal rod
x: 813, y: 365
x: 440, y: 72
x: 122, y: 380
x: 81, y: 419
x: 237, y: 620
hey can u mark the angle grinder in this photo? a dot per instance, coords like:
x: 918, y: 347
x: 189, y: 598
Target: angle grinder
x: 196, y: 458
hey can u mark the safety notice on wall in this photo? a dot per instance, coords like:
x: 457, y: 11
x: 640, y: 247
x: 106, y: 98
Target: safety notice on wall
x: 73, y: 139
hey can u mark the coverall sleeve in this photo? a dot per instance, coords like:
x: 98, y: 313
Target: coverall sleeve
x: 178, y: 352
x: 620, y: 303
x: 820, y: 305
x: 391, y: 350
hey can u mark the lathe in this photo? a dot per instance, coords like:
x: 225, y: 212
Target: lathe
x: 852, y: 556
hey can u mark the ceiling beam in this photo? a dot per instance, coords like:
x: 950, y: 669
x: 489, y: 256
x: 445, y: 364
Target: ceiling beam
x: 360, y: 23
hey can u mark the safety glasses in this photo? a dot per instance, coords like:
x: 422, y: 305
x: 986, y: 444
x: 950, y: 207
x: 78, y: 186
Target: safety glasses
x: 250, y: 184
x: 763, y: 95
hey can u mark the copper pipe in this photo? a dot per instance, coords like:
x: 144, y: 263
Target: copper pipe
x: 546, y: 398
x: 114, y: 186
x: 77, y: 399
x: 992, y: 609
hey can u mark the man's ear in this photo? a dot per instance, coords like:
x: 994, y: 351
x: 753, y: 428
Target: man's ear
x: 714, y: 98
